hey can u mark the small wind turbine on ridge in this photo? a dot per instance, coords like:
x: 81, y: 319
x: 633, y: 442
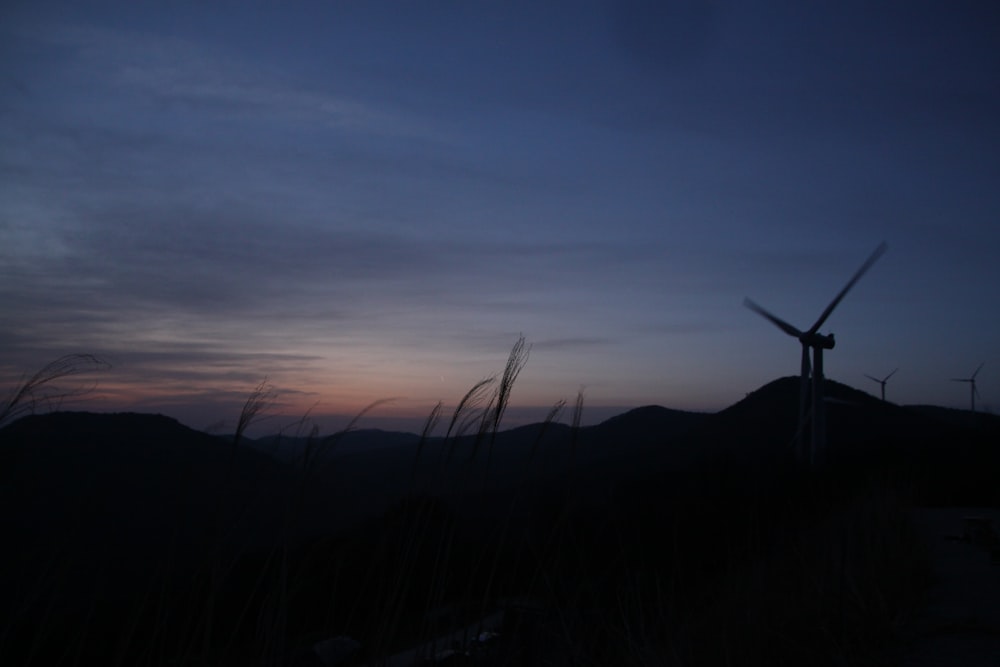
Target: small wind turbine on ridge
x: 972, y: 385
x: 882, y: 381
x: 812, y: 411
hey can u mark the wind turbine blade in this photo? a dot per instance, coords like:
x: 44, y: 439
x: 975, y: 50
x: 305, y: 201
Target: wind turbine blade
x: 879, y: 251
x: 961, y: 380
x: 977, y: 370
x: 889, y: 376
x: 872, y: 379
x: 777, y: 321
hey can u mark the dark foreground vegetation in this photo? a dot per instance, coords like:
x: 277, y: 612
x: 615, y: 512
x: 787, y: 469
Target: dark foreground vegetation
x: 657, y: 538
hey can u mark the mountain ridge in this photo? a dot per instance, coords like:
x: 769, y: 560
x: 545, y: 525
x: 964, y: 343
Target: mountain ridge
x: 372, y: 466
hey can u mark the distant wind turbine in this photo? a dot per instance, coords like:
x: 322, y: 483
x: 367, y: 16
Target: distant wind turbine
x: 811, y: 405
x: 973, y: 392
x: 882, y: 381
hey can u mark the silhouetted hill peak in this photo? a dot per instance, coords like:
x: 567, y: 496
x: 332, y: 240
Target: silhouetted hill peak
x: 106, y: 425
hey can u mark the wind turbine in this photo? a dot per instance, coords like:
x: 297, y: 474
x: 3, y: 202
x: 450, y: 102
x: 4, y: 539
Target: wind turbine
x: 811, y: 408
x: 882, y: 381
x: 972, y: 384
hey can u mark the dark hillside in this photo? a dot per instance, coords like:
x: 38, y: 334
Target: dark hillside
x: 114, y: 502
x: 118, y: 517
x: 292, y: 448
x: 131, y: 474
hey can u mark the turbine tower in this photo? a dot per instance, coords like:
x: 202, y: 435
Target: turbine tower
x: 973, y: 392
x: 811, y: 407
x: 882, y: 381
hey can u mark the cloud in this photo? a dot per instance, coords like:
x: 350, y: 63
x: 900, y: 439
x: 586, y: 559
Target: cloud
x: 571, y: 343
x: 140, y: 68
x: 153, y: 276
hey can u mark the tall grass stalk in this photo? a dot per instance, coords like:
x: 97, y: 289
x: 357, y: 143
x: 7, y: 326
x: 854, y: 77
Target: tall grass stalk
x: 505, y: 526
x: 425, y: 434
x: 276, y: 600
x: 492, y: 419
x: 417, y: 511
x: 42, y: 389
x: 464, y: 416
x: 470, y: 411
x: 260, y: 400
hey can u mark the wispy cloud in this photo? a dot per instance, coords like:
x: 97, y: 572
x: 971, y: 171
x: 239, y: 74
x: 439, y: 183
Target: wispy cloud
x: 193, y: 78
x: 571, y: 343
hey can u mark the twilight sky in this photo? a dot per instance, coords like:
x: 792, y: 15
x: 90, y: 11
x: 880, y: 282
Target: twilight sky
x: 366, y: 200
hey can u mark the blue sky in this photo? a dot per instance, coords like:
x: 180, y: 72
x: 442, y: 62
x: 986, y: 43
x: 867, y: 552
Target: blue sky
x: 373, y: 200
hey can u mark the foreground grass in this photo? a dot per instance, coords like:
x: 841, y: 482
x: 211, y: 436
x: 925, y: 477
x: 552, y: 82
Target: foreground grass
x: 716, y: 566
x: 833, y: 580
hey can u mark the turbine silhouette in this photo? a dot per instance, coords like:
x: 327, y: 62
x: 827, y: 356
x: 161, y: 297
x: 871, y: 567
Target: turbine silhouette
x: 812, y: 412
x: 882, y: 381
x: 973, y: 392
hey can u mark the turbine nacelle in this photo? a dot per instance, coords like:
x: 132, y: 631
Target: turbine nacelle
x: 818, y: 340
